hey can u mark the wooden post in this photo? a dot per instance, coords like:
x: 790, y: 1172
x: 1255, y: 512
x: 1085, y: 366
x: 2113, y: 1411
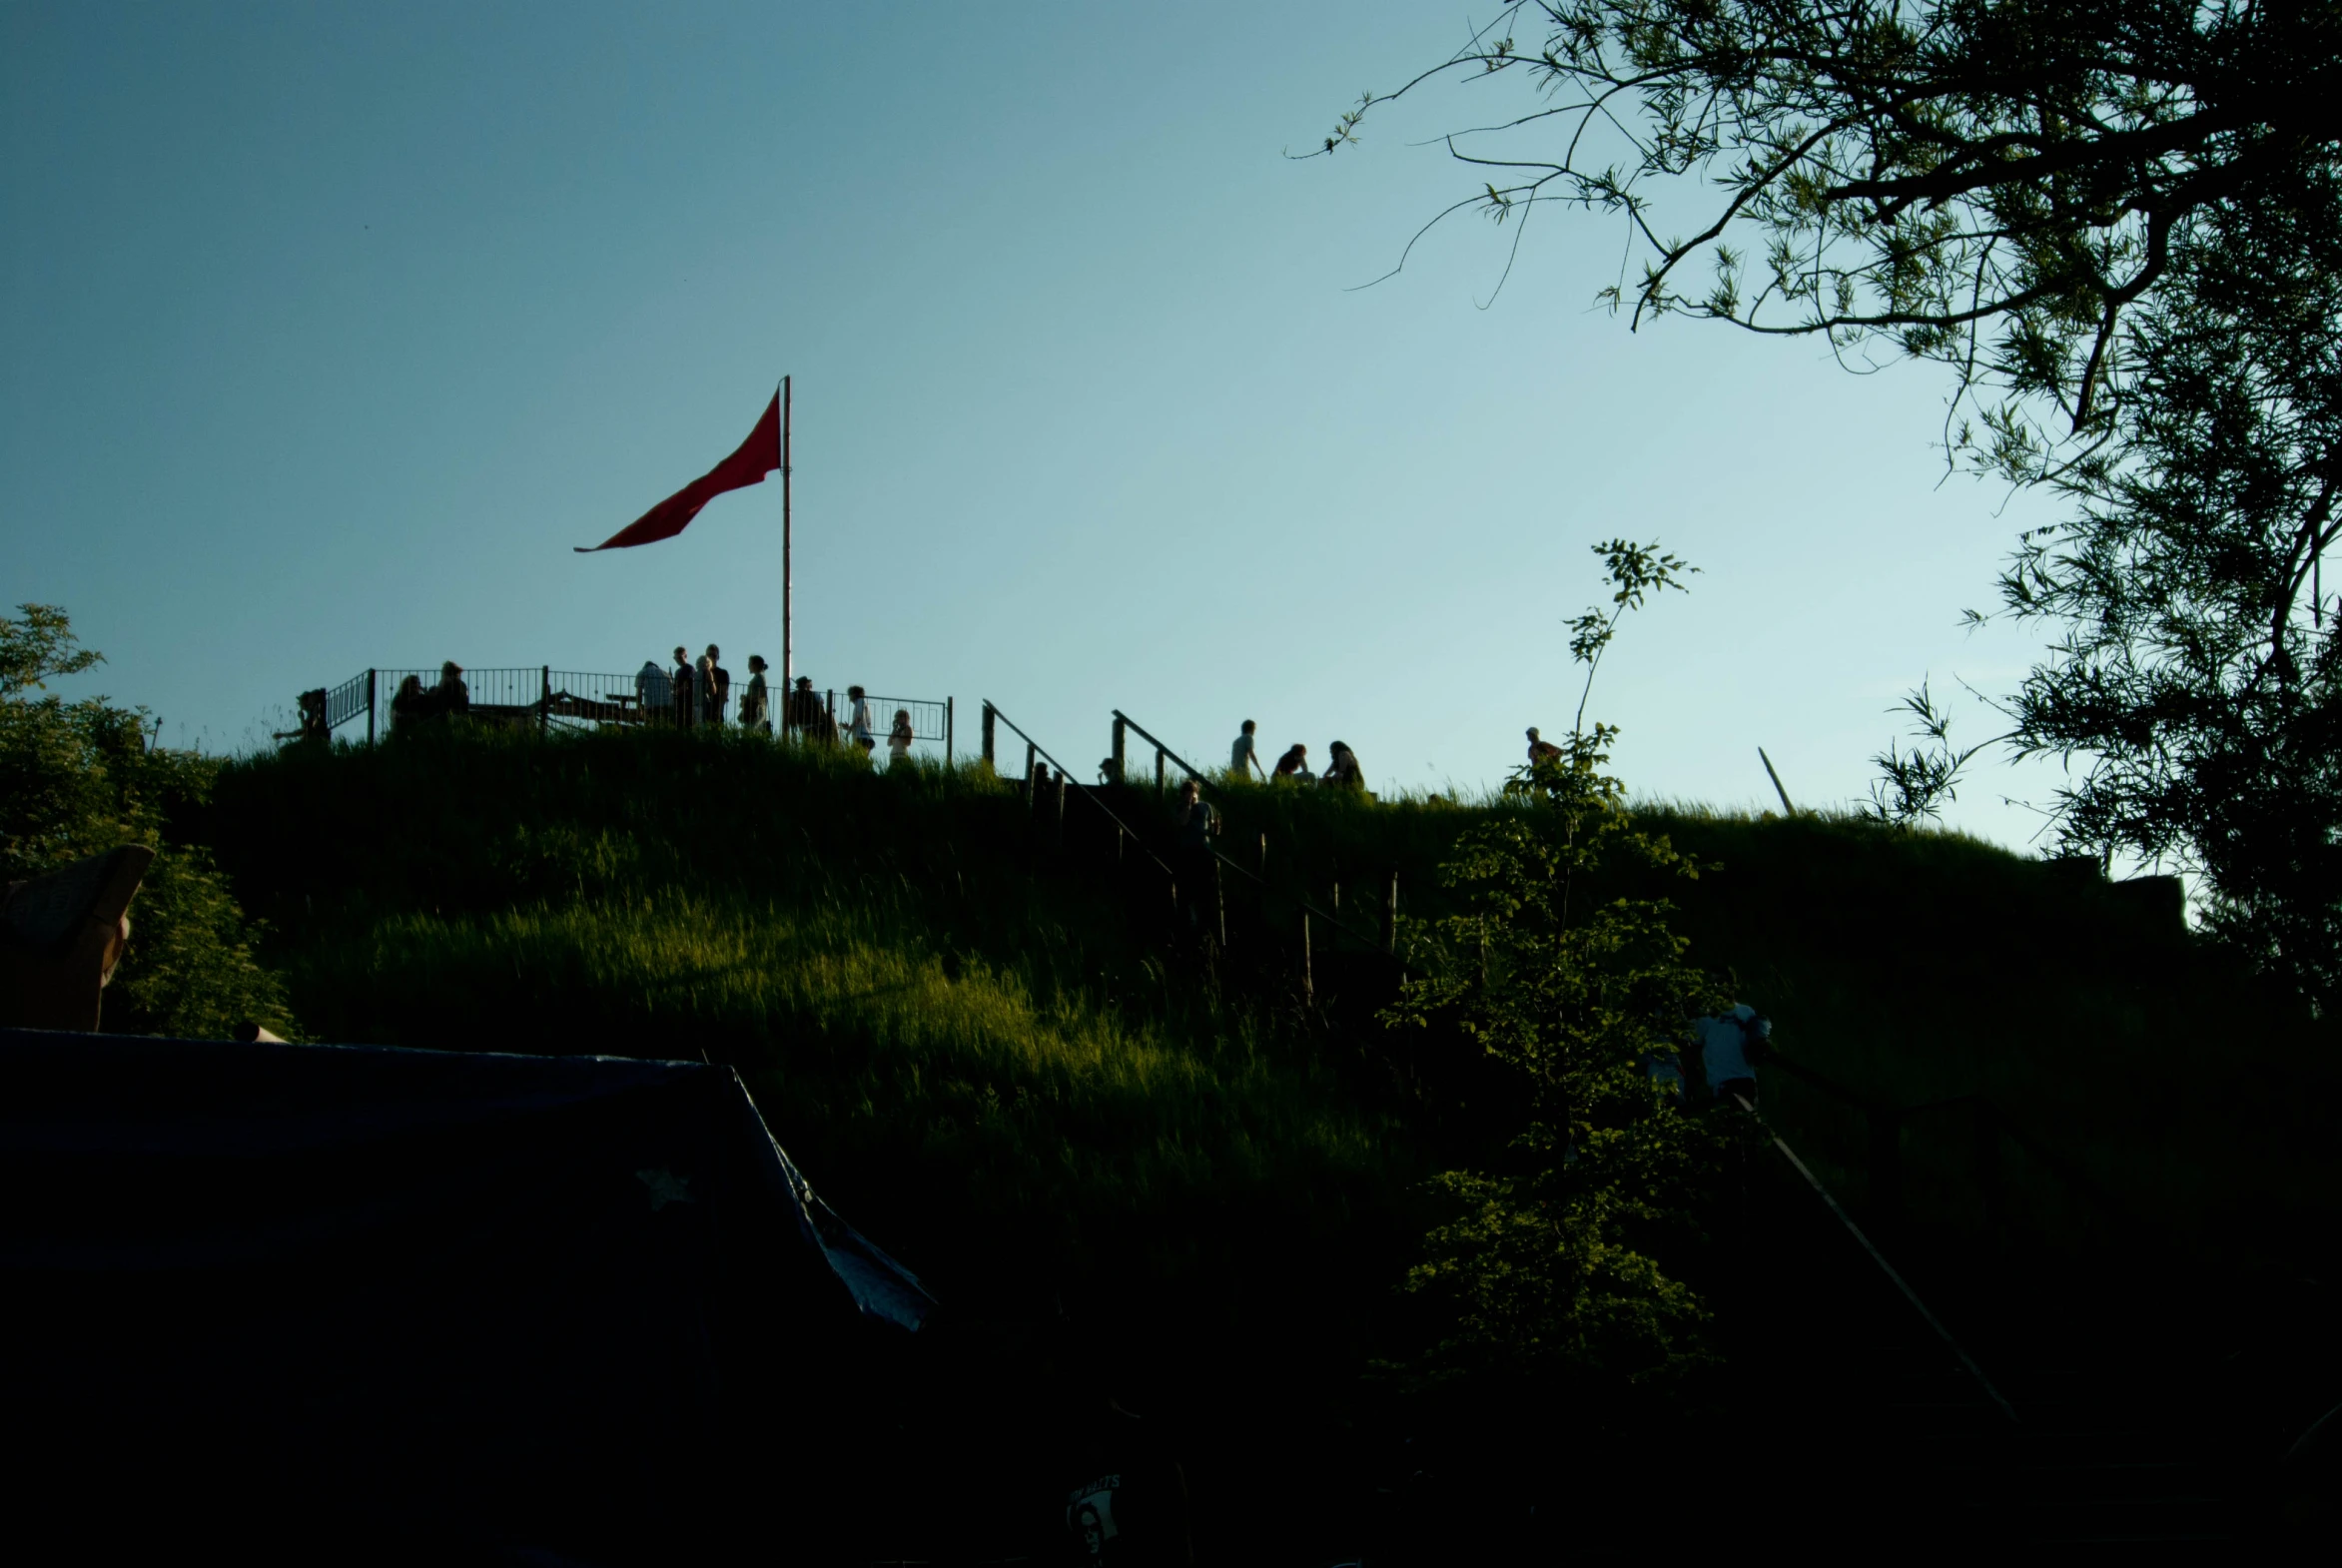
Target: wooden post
x: 1391, y: 916
x: 1787, y: 809
x: 1120, y: 747
x: 1029, y: 750
x: 988, y: 735
x: 1057, y: 795
x: 1309, y: 976
x: 544, y: 700
x: 948, y: 718
x: 369, y: 707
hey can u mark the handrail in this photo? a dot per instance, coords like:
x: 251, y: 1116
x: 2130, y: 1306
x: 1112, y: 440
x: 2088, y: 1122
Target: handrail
x: 2056, y: 1163
x: 994, y: 709
x: 1203, y: 781
x: 1968, y: 1363
x: 1192, y: 771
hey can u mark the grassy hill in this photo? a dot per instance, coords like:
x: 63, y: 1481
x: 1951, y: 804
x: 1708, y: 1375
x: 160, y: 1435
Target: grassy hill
x: 991, y: 1059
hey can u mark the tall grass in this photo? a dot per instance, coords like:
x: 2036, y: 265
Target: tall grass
x: 974, y: 1052
x: 985, y: 1057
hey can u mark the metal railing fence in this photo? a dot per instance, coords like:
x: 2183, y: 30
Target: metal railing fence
x: 550, y: 699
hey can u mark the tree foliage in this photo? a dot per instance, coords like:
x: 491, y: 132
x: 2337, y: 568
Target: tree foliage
x: 1548, y: 1265
x: 2116, y: 223
x: 1991, y: 184
x: 79, y: 778
x: 2194, y: 679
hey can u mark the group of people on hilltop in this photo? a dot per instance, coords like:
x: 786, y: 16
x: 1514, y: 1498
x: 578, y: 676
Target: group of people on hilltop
x: 1341, y: 768
x: 697, y: 692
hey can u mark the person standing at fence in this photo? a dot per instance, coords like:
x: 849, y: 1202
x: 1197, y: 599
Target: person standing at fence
x: 451, y: 695
x: 683, y: 694
x: 900, y: 737
x: 654, y: 694
x: 1294, y: 764
x: 715, y: 687
x: 409, y: 706
x: 858, y: 722
x: 753, y: 713
x: 805, y: 714
x: 1243, y: 758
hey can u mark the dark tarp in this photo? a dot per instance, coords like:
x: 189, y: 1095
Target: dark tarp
x: 335, y: 1299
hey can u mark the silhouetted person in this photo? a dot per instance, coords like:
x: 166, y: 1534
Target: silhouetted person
x: 684, y: 695
x: 755, y: 713
x: 1541, y: 750
x: 451, y: 695
x: 858, y: 722
x: 1342, y: 771
x: 899, y: 738
x: 805, y: 711
x: 654, y: 694
x: 1243, y: 758
x: 409, y: 706
x: 1198, y: 825
x: 715, y: 687
x: 1294, y: 764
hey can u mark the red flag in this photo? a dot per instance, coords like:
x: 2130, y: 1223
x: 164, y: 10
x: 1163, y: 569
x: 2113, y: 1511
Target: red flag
x: 758, y: 455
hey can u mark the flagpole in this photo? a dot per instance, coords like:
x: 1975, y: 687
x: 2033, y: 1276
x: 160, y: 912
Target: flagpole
x: 788, y: 648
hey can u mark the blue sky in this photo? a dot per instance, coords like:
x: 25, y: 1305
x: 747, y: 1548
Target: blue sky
x: 328, y: 330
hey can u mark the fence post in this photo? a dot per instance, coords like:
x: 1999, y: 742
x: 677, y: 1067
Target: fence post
x: 1391, y: 916
x: 1057, y: 795
x: 948, y: 717
x: 544, y: 701
x: 1119, y: 727
x: 369, y: 707
x: 1031, y: 756
x: 988, y: 735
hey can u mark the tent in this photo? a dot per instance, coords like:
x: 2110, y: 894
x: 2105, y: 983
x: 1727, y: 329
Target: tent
x: 339, y: 1301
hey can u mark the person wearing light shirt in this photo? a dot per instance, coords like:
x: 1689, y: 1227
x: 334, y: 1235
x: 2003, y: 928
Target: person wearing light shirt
x: 1729, y: 1042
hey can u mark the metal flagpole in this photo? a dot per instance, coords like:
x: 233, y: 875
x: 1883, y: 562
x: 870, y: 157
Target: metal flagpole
x: 788, y: 648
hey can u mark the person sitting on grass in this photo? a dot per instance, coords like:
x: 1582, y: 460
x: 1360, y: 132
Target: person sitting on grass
x: 1342, y: 772
x: 1294, y: 764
